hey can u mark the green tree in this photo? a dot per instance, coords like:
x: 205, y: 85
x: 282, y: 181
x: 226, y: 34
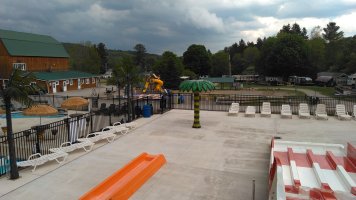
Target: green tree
x: 83, y: 57
x: 316, y: 53
x: 169, y: 67
x: 251, y: 56
x: 128, y: 73
x: 332, y: 33
x: 196, y: 86
x: 286, y: 55
x: 197, y: 59
x: 238, y: 64
x: 219, y: 64
x: 103, y: 55
x: 17, y: 88
x: 316, y: 33
x: 294, y: 29
x: 140, y: 56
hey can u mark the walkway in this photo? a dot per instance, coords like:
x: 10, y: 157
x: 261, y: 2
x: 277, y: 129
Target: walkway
x: 218, y: 161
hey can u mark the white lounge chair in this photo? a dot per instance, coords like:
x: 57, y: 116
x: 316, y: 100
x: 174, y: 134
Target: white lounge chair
x: 266, y: 109
x: 354, y: 112
x: 286, y: 111
x: 320, y: 112
x: 250, y: 111
x: 234, y: 109
x: 119, y: 128
x: 38, y: 159
x: 108, y: 134
x: 341, y: 112
x: 304, y: 111
x: 87, y: 145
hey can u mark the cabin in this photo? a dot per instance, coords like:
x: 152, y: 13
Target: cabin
x: 221, y: 82
x: 45, y: 57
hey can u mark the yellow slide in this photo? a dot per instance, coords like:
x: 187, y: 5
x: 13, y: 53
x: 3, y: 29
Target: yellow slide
x: 159, y: 84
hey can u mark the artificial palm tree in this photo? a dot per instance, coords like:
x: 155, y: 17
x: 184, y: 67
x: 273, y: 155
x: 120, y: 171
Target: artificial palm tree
x: 196, y: 86
x: 17, y: 88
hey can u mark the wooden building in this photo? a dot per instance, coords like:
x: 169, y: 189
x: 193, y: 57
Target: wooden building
x: 45, y: 57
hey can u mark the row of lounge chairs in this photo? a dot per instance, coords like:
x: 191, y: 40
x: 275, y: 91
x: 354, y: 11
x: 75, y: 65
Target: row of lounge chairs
x: 60, y: 154
x: 303, y: 111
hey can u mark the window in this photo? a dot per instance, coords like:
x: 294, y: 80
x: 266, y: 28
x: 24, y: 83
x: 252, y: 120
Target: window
x: 93, y: 80
x: 71, y: 81
x: 82, y: 81
x: 87, y: 81
x: 20, y: 66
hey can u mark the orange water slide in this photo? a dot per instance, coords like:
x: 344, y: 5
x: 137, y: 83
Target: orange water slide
x: 126, y: 181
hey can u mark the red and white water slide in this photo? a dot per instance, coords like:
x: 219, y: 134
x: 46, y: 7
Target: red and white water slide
x: 318, y: 171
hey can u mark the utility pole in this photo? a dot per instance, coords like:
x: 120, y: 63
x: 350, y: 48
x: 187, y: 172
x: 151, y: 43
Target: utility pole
x: 229, y: 65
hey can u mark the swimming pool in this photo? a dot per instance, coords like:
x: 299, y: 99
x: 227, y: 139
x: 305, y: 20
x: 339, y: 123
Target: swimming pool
x: 20, y: 115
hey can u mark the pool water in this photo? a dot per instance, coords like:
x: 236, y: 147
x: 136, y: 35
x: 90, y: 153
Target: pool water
x: 20, y: 115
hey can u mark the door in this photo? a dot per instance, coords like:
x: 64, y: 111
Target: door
x: 64, y: 86
x: 79, y: 83
x: 54, y: 87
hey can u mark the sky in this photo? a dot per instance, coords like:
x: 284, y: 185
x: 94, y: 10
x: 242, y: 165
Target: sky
x: 171, y: 25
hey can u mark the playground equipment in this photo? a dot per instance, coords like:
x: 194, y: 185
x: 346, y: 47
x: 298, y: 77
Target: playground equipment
x: 305, y: 170
x: 126, y: 181
x: 153, y: 79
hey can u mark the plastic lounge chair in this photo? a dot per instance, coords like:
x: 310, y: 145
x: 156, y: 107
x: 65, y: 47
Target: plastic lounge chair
x: 69, y: 147
x: 266, y: 109
x: 234, y: 109
x: 304, y: 111
x: 341, y: 112
x: 286, y: 112
x: 320, y: 112
x: 129, y: 125
x: 354, y: 112
x: 38, y: 159
x: 108, y: 134
x: 118, y: 128
x: 250, y: 111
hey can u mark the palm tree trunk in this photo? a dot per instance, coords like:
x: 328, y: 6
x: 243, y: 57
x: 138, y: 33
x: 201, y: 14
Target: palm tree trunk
x: 14, y: 174
x: 196, y: 110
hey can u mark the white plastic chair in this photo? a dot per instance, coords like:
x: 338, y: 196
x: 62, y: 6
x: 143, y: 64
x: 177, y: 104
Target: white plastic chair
x: 320, y: 112
x: 108, y: 134
x: 38, y: 159
x: 304, y: 111
x: 266, y: 109
x: 234, y: 109
x: 341, y: 112
x: 250, y: 111
x: 87, y: 145
x: 286, y: 111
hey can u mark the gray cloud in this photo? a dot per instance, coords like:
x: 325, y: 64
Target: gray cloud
x: 169, y: 25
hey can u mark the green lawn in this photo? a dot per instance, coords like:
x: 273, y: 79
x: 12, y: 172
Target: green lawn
x: 327, y: 91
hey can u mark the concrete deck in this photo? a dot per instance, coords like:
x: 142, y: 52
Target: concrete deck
x: 218, y: 161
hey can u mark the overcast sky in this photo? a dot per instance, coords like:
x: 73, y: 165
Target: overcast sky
x: 171, y: 25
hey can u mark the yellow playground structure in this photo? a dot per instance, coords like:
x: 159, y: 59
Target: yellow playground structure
x: 154, y: 81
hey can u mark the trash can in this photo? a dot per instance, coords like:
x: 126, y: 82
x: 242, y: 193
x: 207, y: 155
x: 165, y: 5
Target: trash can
x: 146, y: 112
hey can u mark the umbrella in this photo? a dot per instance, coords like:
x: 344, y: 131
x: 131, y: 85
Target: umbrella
x: 74, y: 103
x: 40, y: 110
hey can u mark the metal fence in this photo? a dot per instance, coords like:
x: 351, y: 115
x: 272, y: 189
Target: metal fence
x: 222, y: 102
x: 39, y: 139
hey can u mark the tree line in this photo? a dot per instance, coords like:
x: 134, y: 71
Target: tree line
x: 292, y: 51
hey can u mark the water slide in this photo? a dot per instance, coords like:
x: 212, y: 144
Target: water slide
x: 126, y: 181
x: 159, y: 84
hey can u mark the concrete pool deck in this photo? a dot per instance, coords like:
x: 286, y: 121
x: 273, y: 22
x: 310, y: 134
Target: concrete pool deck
x: 218, y: 161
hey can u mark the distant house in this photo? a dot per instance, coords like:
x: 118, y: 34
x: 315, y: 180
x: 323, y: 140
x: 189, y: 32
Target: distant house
x: 221, y: 82
x: 246, y: 78
x: 325, y: 81
x: 351, y: 80
x: 45, y: 57
x: 273, y: 80
x: 337, y: 78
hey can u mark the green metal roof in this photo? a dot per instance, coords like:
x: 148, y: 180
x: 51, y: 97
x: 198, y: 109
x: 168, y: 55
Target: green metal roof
x: 62, y: 75
x: 220, y: 79
x: 28, y: 44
